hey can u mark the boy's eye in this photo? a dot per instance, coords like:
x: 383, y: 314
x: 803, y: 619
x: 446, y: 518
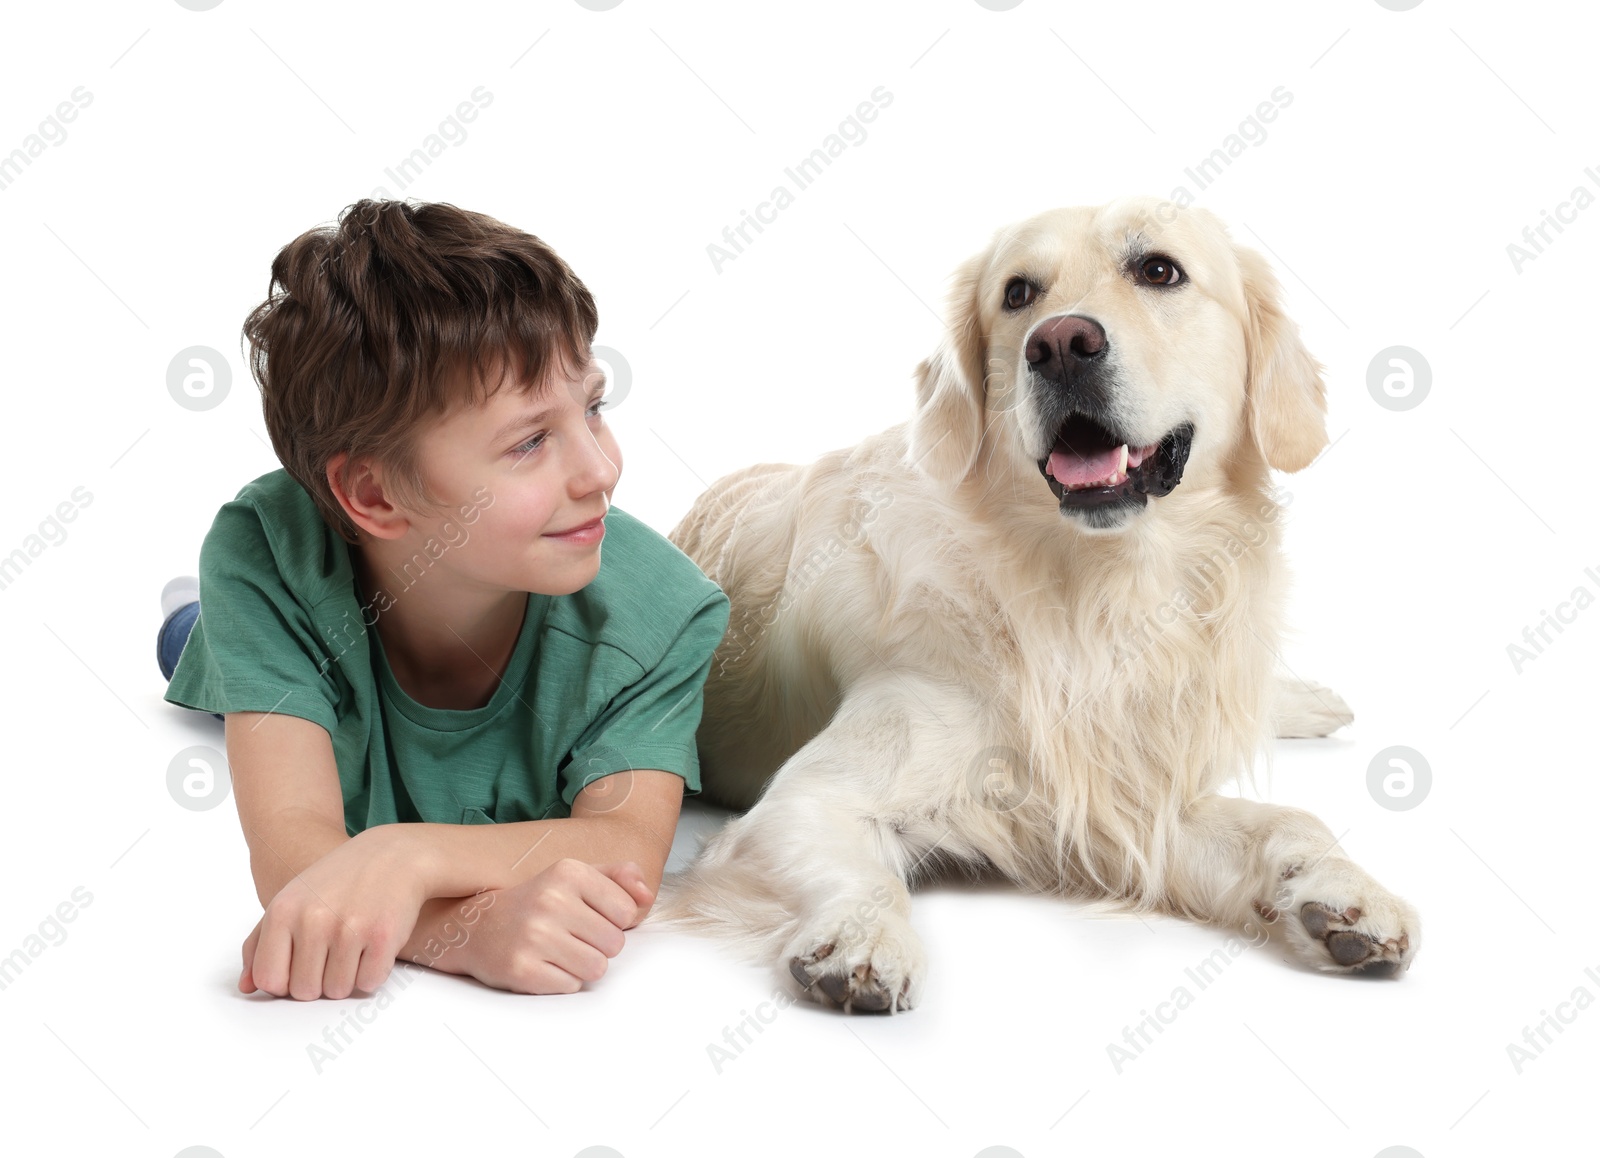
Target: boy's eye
x: 537, y: 440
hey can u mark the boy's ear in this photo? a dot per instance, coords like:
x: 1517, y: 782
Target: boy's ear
x: 358, y: 488
x: 946, y: 428
x: 1285, y: 397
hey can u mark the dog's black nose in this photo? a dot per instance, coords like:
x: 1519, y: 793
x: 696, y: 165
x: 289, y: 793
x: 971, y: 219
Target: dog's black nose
x: 1064, y: 345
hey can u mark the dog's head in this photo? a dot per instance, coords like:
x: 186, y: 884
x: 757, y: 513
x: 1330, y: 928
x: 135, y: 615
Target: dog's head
x: 1111, y: 354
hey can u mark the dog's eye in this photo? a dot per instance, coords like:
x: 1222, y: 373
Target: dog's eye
x: 1019, y: 292
x: 1159, y: 270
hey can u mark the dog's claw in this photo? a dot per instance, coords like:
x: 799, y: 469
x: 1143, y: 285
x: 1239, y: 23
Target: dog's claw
x: 859, y: 989
x: 797, y: 970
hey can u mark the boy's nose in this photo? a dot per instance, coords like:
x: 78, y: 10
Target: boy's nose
x: 598, y: 472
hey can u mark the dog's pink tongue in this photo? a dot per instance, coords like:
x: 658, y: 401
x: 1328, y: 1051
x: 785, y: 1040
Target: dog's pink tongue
x: 1072, y: 469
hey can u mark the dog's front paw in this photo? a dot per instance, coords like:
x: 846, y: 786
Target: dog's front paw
x: 1337, y: 918
x: 876, y: 968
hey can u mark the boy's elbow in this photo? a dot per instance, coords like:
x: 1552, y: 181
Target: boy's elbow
x: 643, y: 821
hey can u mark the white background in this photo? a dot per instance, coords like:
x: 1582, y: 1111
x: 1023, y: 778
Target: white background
x: 1417, y: 146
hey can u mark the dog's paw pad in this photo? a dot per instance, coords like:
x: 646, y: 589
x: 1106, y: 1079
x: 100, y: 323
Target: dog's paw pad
x: 1346, y: 946
x: 1349, y: 948
x: 1317, y: 918
x: 858, y: 988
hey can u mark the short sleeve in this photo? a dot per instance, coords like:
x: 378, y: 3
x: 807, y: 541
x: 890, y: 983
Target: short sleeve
x: 254, y: 647
x: 652, y: 722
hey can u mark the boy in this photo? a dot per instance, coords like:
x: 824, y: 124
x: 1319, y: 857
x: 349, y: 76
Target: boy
x: 454, y: 735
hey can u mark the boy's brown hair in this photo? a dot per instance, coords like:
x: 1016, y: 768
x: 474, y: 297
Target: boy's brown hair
x: 402, y: 310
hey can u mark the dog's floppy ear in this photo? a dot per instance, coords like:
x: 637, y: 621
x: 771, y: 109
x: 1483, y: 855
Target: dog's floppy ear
x: 1286, y: 399
x: 947, y: 426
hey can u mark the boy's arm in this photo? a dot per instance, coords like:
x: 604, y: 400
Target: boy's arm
x: 622, y: 817
x: 286, y: 788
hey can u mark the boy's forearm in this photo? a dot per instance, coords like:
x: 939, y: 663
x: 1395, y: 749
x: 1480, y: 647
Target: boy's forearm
x: 443, y: 925
x: 290, y: 850
x: 461, y: 859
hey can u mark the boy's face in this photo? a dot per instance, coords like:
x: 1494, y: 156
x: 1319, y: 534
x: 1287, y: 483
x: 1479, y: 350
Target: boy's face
x: 514, y: 471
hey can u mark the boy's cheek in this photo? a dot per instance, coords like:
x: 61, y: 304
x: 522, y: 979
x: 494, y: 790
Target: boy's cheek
x: 452, y: 533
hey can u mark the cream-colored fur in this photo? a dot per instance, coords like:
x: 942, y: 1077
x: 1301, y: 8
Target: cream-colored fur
x: 928, y: 663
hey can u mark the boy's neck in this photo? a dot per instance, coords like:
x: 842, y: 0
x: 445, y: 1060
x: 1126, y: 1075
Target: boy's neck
x: 447, y: 643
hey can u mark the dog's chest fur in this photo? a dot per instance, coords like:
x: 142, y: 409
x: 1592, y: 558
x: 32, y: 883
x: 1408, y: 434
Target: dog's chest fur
x: 1121, y: 683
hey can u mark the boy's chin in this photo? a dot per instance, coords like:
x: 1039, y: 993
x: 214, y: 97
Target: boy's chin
x: 568, y: 579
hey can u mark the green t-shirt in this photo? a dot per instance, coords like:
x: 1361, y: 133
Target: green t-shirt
x: 604, y: 680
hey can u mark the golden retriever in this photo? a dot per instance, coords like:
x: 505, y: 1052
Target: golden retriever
x: 1032, y: 630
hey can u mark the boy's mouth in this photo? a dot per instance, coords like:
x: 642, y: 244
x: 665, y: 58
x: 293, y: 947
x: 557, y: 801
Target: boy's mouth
x: 597, y: 521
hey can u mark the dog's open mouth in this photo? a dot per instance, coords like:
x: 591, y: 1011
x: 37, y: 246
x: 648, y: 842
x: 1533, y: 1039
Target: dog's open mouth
x: 1089, y: 466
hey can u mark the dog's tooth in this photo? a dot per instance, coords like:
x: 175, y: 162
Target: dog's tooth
x: 1122, y: 467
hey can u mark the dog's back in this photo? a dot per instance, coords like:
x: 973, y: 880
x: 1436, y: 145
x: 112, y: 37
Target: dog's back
x: 754, y: 716
x: 795, y: 548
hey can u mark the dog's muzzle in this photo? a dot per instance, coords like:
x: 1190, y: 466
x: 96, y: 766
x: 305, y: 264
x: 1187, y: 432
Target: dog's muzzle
x: 1091, y: 466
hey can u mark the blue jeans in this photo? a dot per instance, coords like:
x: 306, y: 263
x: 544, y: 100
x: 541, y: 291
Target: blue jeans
x: 173, y: 635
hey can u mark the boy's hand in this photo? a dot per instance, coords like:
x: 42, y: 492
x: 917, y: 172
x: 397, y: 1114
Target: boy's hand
x: 552, y: 933
x: 337, y: 926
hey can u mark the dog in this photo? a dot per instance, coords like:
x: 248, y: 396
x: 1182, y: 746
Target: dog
x: 1032, y: 629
